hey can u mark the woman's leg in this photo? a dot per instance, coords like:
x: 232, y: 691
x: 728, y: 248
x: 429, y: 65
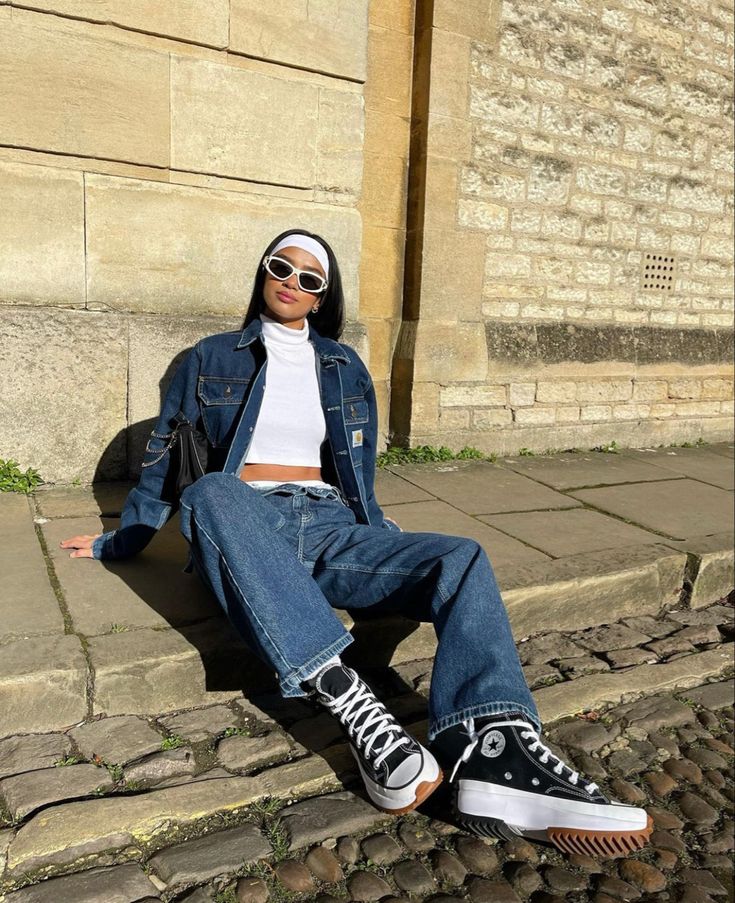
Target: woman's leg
x: 505, y: 780
x: 428, y: 577
x: 249, y: 550
x: 246, y: 549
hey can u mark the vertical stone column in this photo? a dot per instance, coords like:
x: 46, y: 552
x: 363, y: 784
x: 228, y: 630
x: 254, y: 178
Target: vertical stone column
x: 384, y: 186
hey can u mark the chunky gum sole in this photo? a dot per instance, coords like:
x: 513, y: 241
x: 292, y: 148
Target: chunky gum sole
x: 423, y: 792
x: 600, y: 843
x: 608, y: 844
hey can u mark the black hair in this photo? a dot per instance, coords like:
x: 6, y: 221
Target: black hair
x: 329, y: 320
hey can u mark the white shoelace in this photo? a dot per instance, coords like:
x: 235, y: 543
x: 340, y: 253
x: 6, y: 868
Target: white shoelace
x: 357, y: 701
x: 527, y: 733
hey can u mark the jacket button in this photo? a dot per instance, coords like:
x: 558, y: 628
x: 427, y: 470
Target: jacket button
x: 228, y: 391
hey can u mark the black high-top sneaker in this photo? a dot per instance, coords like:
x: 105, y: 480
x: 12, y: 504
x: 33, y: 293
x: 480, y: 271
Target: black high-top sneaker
x: 399, y: 774
x: 508, y: 783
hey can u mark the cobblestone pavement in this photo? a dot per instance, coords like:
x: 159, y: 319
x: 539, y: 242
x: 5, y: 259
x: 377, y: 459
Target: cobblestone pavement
x: 258, y: 800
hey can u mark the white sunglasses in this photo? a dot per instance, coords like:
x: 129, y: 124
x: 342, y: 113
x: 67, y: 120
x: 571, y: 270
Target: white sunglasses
x: 282, y: 269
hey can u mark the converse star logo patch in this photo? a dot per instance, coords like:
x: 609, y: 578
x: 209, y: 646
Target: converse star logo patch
x: 356, y: 438
x: 493, y: 743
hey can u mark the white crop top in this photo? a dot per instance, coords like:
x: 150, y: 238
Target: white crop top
x: 290, y: 427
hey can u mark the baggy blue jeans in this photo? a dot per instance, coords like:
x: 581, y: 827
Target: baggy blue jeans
x: 280, y: 559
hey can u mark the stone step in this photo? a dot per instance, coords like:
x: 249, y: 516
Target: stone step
x: 596, y: 690
x: 43, y: 684
x: 62, y: 837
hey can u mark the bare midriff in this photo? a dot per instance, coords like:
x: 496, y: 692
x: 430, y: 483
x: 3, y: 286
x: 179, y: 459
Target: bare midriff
x: 283, y: 473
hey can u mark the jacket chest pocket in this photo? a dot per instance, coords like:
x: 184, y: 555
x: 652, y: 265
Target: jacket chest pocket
x: 355, y: 410
x: 220, y: 401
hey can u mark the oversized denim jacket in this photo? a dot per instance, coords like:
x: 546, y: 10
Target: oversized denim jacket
x: 220, y: 378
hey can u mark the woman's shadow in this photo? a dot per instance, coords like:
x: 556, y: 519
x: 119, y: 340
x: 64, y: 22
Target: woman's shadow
x: 181, y: 601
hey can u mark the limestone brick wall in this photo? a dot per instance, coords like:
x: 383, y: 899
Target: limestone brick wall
x: 148, y: 151
x: 574, y: 225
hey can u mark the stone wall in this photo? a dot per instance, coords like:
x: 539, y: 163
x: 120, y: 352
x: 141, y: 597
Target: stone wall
x: 495, y: 177
x: 571, y: 241
x: 148, y: 152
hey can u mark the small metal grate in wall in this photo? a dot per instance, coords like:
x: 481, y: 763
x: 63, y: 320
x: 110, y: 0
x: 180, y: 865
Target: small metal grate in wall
x: 658, y: 272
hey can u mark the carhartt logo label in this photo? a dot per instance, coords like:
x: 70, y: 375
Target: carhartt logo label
x: 493, y: 744
x: 356, y: 438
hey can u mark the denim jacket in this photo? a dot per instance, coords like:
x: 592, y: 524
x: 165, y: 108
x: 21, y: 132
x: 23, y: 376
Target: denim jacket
x: 224, y: 375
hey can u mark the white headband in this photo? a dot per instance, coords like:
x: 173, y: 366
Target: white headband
x: 297, y: 240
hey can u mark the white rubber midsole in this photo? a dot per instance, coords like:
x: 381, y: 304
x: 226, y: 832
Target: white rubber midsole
x: 533, y: 812
x: 387, y: 798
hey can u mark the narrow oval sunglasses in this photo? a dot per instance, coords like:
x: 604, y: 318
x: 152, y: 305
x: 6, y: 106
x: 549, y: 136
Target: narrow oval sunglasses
x: 307, y: 280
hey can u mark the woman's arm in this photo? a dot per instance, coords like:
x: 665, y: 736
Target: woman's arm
x: 152, y: 502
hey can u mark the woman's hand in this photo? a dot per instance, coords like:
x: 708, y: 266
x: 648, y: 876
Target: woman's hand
x: 82, y: 544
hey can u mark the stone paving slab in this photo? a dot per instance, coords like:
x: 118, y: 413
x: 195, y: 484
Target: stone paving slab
x: 583, y: 469
x: 149, y: 590
x: 591, y: 589
x: 392, y: 489
x: 565, y: 533
x: 199, y: 860
x: 64, y: 834
x: 28, y: 605
x: 717, y: 695
x: 119, y: 884
x: 25, y: 793
x: 479, y: 487
x: 440, y: 517
x: 90, y: 501
x: 149, y: 670
x: 692, y: 509
x: 43, y: 684
x: 32, y: 752
x: 711, y: 567
x: 703, y: 464
x: 587, y: 693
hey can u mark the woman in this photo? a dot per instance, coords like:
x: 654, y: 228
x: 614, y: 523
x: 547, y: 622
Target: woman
x: 288, y: 526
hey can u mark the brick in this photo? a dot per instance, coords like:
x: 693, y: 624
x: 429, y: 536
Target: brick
x: 698, y: 409
x: 650, y: 390
x: 631, y: 411
x: 685, y: 388
x: 608, y: 390
x: 499, y: 265
x: 717, y: 388
x: 596, y: 412
x: 71, y: 92
x: 473, y: 395
x: 556, y: 391
x: 478, y: 214
x: 332, y: 37
x: 187, y: 20
x: 521, y: 394
x: 483, y: 420
x: 213, y: 106
x: 536, y: 414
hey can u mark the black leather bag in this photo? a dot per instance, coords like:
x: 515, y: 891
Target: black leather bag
x: 190, y: 454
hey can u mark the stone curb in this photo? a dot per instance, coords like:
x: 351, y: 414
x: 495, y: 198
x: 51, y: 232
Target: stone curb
x: 595, y: 690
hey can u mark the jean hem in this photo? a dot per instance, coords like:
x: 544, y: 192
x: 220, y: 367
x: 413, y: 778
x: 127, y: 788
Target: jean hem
x: 291, y: 684
x: 477, y: 711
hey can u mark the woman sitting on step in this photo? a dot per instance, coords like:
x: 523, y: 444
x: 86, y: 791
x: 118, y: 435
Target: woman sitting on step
x: 286, y: 527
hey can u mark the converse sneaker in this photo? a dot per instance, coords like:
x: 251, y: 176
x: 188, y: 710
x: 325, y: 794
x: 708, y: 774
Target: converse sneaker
x: 508, y: 783
x: 399, y: 774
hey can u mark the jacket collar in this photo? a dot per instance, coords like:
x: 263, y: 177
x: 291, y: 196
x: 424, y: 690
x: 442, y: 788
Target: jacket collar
x: 327, y: 349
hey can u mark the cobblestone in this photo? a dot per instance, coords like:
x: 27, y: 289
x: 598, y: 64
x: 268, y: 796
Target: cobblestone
x: 669, y: 747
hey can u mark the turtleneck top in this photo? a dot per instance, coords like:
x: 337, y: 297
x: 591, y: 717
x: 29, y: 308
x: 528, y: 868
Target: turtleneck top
x: 291, y: 426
